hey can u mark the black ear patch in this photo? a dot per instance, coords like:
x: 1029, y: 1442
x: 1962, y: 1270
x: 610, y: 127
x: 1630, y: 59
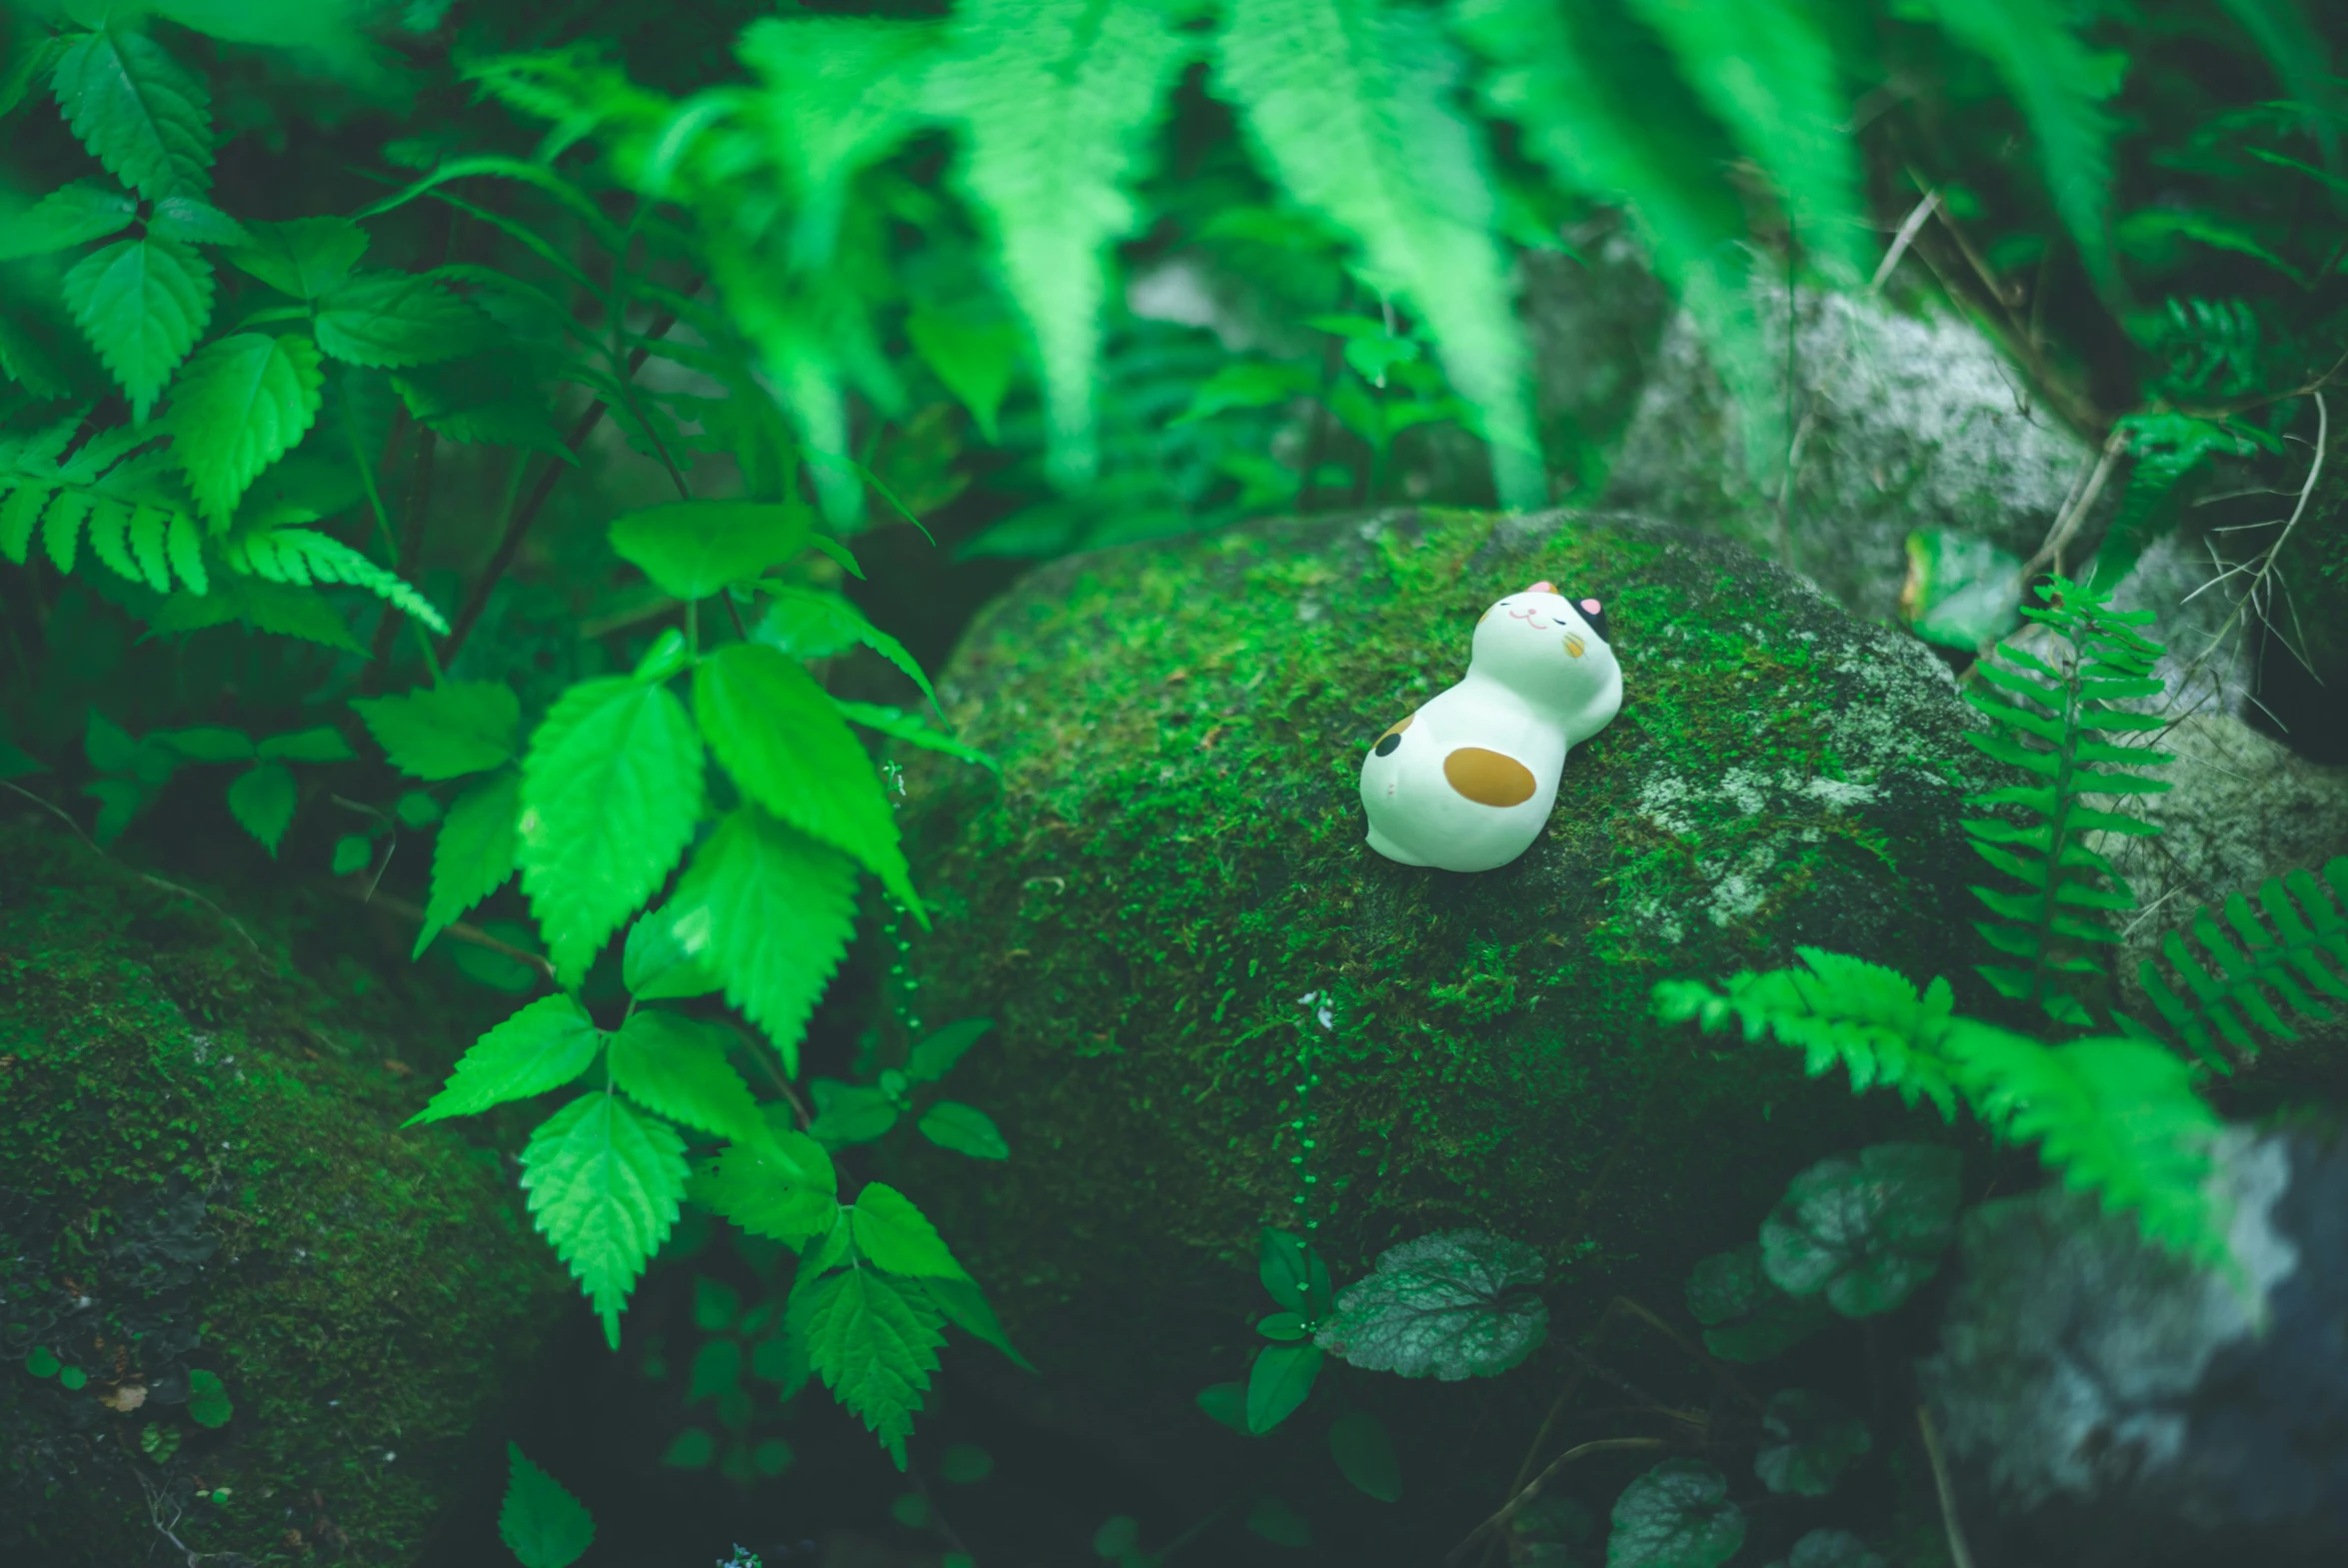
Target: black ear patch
x: 1594, y: 611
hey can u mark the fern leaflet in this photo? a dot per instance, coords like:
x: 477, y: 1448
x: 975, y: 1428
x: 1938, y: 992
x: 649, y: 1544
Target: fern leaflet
x: 2298, y: 949
x: 1055, y: 100
x: 137, y: 526
x: 2059, y: 84
x: 301, y: 556
x: 2113, y: 1116
x: 2049, y: 721
x: 1350, y: 103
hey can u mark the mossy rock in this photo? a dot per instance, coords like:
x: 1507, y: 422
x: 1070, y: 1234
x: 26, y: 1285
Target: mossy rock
x: 1198, y: 965
x: 244, y: 1313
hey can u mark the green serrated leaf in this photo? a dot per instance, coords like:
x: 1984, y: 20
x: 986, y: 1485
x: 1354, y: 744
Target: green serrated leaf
x: 781, y: 1187
x: 875, y: 1342
x: 780, y: 910
x: 1456, y: 1304
x: 322, y: 743
x: 850, y: 1113
x: 1279, y: 1381
x: 605, y: 1181
x: 141, y: 113
x: 305, y: 257
x: 73, y: 213
x: 276, y: 608
x: 665, y: 955
x: 611, y: 790
x: 394, y: 320
x: 541, y: 1523
x: 262, y: 801
x: 691, y: 549
x: 1677, y: 1515
x: 1364, y: 1453
x: 208, y: 1401
x: 238, y: 406
x: 541, y: 1046
x: 964, y: 1130
x: 445, y: 731
x: 1866, y: 1231
x: 938, y: 1051
x: 966, y: 1308
x: 787, y: 749
x: 142, y: 304
x: 352, y: 852
x: 976, y: 360
x: 808, y: 622
x: 678, y: 1068
x: 899, y: 1238
x: 487, y: 399
x: 477, y: 849
x: 191, y: 220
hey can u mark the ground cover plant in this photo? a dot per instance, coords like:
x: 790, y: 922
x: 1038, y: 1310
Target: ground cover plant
x: 518, y: 470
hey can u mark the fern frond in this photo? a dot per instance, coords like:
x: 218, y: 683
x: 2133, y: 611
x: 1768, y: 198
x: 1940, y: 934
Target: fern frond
x: 841, y: 91
x: 1055, y: 101
x: 1764, y: 67
x: 2060, y: 85
x: 2297, y: 953
x: 138, y: 527
x: 1841, y: 1012
x: 2050, y: 719
x: 2113, y: 1116
x: 1602, y: 108
x: 300, y: 556
x: 1349, y: 105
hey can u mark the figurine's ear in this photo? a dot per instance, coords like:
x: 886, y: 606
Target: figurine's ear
x: 1543, y: 587
x: 1593, y: 612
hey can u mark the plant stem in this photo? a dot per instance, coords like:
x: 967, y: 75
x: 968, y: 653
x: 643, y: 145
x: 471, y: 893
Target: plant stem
x: 382, y: 526
x: 518, y: 524
x: 1499, y: 1521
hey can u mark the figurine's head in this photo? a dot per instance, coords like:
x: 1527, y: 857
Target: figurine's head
x: 1549, y: 647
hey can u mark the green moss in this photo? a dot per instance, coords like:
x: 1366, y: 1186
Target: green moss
x: 1174, y: 858
x: 200, y: 1172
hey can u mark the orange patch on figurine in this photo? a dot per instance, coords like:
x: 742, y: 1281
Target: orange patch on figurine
x: 1487, y: 778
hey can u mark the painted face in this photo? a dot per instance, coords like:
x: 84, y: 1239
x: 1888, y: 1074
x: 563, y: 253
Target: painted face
x: 1549, y: 645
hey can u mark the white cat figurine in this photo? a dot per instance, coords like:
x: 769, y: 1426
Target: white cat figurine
x: 1466, y: 781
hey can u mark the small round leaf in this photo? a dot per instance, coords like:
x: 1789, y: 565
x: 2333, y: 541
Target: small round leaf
x: 1867, y: 1232
x: 1677, y: 1515
x: 1808, y: 1441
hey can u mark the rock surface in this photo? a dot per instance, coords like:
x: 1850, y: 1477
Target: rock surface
x: 201, y: 1178
x: 2244, y: 808
x: 2103, y: 1404
x: 1900, y: 423
x: 1219, y: 1009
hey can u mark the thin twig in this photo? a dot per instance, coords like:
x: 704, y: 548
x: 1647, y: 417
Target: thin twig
x: 1900, y: 242
x: 2263, y: 567
x: 1499, y: 1521
x: 2074, y: 512
x: 473, y: 935
x: 1718, y: 1367
x: 99, y: 849
x: 1959, y: 1555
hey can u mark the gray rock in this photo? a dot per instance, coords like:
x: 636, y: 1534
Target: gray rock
x: 2245, y: 808
x: 1900, y: 423
x: 1169, y: 911
x: 2103, y: 1403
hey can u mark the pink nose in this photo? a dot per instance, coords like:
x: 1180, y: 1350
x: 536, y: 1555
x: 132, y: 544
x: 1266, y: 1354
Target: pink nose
x: 1543, y: 587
